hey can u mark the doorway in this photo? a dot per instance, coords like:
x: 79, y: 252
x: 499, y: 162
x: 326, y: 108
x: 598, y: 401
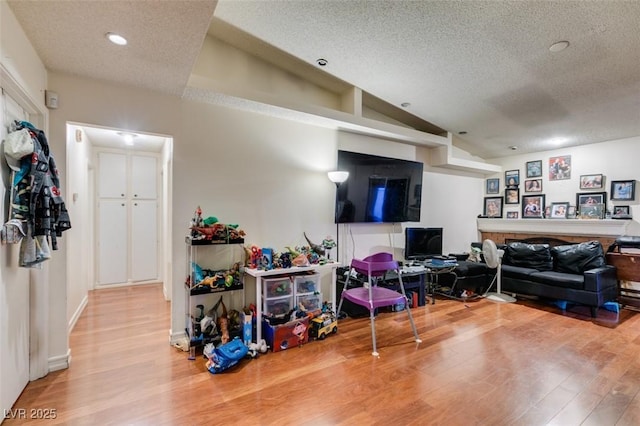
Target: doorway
x: 119, y: 181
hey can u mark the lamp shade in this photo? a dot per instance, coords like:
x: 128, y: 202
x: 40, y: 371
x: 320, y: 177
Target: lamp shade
x: 338, y: 176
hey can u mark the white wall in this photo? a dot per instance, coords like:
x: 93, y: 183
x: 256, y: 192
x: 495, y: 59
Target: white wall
x: 616, y: 160
x: 79, y: 204
x: 24, y: 78
x: 266, y: 174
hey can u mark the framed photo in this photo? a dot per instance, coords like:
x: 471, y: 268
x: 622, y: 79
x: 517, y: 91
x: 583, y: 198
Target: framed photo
x: 590, y: 198
x: 559, y: 210
x: 532, y: 206
x: 534, y: 168
x: 560, y: 167
x: 591, y: 182
x: 493, y: 206
x: 512, y: 178
x: 547, y: 212
x: 592, y: 211
x: 620, y: 212
x: 512, y: 196
x: 533, y: 185
x: 512, y: 215
x: 623, y: 190
x: 493, y: 186
x: 571, y: 212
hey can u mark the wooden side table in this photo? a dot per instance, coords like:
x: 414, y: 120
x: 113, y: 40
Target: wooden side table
x: 628, y: 265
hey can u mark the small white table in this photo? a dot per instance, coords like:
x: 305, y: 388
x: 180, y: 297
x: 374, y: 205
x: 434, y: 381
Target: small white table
x: 258, y: 274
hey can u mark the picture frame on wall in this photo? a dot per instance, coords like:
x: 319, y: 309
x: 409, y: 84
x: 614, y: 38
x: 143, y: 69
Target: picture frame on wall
x: 590, y: 198
x: 493, y: 207
x: 534, y: 168
x: 512, y: 215
x: 512, y: 178
x: 512, y: 196
x: 560, y: 167
x: 592, y: 181
x: 533, y: 206
x: 493, y: 186
x: 559, y: 210
x: 623, y: 190
x: 533, y: 185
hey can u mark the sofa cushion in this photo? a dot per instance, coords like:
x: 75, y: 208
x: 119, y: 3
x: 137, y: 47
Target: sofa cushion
x: 577, y: 258
x: 517, y: 272
x: 535, y: 256
x: 558, y: 279
x: 468, y: 269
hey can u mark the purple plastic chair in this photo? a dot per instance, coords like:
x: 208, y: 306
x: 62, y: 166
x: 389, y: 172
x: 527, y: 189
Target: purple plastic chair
x: 371, y: 296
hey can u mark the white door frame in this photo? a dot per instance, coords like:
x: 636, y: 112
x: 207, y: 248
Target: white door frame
x: 38, y: 278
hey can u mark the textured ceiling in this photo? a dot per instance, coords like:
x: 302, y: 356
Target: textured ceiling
x: 474, y: 66
x: 165, y: 38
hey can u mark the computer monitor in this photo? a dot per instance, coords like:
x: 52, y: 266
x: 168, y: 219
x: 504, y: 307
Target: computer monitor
x: 422, y: 243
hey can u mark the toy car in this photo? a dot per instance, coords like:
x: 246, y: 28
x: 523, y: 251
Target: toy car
x: 323, y: 325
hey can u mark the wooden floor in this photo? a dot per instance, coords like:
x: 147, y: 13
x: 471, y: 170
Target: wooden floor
x: 480, y: 363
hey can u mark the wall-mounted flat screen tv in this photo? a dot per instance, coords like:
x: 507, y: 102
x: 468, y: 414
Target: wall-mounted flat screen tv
x: 379, y: 189
x: 422, y: 243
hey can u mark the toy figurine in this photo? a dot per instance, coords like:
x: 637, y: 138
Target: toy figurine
x: 328, y: 243
x: 314, y: 247
x: 300, y: 260
x: 256, y: 255
x: 285, y: 260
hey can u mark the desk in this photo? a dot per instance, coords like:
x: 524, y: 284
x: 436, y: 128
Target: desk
x: 413, y: 277
x: 433, y: 272
x: 258, y: 274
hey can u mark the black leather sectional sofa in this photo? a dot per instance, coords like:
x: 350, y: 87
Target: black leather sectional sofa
x: 572, y: 273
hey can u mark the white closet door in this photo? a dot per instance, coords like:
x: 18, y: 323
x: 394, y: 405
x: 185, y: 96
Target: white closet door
x: 144, y: 240
x: 112, y: 241
x: 112, y: 176
x: 14, y: 291
x: 144, y: 177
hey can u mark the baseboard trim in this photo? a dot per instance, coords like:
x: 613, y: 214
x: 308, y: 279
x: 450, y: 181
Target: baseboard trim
x: 60, y: 362
x: 77, y: 313
x: 175, y: 338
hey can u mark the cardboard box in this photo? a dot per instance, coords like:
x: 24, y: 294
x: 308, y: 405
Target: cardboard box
x: 290, y: 335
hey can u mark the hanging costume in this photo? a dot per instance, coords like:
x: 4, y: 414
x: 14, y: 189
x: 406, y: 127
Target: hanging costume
x: 36, y: 200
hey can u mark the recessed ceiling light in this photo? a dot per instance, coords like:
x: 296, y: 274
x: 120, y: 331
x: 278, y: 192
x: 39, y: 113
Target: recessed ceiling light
x: 559, y: 46
x: 405, y: 104
x: 463, y: 132
x: 513, y: 147
x: 322, y: 62
x: 128, y: 137
x: 558, y: 141
x: 116, y: 39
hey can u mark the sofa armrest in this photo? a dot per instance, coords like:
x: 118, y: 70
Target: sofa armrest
x: 600, y: 278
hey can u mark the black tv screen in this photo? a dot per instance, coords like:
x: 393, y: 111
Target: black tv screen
x: 422, y: 243
x: 379, y: 189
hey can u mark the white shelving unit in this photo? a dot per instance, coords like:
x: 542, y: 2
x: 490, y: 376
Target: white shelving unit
x: 262, y: 276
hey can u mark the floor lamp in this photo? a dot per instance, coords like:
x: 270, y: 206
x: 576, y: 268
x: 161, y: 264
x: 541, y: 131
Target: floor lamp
x: 337, y: 177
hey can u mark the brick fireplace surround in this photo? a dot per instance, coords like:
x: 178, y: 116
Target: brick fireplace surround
x: 570, y: 230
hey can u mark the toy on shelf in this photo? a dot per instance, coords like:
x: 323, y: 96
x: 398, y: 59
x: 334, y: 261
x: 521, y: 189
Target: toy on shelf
x: 210, y: 229
x: 328, y: 243
x: 319, y: 249
x: 210, y: 281
x: 255, y: 256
